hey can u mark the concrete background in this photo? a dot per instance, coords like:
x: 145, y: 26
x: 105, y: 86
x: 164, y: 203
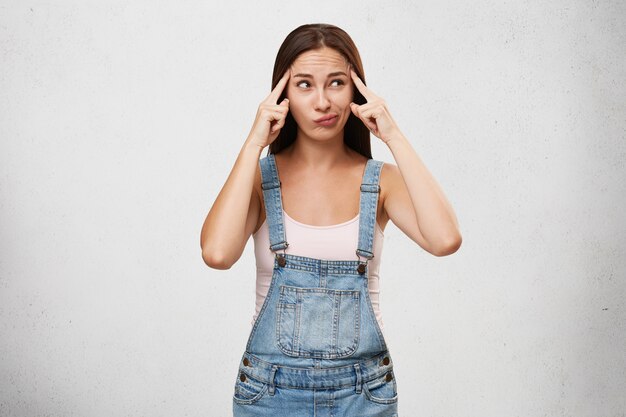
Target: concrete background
x: 120, y: 121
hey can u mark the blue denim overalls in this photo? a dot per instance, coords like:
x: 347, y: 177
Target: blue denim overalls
x: 316, y: 348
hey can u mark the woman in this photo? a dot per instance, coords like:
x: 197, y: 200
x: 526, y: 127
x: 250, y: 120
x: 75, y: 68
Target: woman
x: 317, y: 345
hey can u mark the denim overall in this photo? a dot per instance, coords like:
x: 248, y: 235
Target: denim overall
x: 316, y: 349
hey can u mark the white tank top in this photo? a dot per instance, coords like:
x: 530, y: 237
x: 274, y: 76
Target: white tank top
x: 335, y: 242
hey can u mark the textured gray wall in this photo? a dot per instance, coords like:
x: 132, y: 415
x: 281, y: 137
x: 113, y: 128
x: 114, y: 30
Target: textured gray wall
x: 120, y: 121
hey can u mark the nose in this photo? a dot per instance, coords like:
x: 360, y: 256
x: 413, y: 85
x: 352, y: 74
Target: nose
x: 322, y: 103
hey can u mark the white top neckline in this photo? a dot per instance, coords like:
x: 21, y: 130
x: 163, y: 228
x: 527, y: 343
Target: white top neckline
x: 331, y: 226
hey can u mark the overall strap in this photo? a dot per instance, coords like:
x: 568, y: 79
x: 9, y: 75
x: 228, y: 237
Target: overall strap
x: 273, y: 203
x: 370, y: 191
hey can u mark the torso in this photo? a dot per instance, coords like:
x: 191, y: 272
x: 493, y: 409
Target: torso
x: 322, y: 199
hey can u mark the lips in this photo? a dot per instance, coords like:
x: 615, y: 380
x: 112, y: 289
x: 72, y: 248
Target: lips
x: 327, y: 117
x: 326, y: 120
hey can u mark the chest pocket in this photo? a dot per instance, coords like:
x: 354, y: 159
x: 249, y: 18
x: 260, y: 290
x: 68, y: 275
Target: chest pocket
x: 317, y: 322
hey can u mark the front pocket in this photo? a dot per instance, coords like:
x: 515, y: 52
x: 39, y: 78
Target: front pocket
x: 382, y: 390
x: 248, y: 390
x: 317, y: 322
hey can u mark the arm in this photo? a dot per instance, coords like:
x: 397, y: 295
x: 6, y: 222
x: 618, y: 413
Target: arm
x: 413, y: 199
x: 416, y: 204
x: 233, y: 216
x: 236, y: 209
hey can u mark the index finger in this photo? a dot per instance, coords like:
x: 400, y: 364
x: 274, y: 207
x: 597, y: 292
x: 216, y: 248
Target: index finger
x: 361, y: 87
x: 280, y: 86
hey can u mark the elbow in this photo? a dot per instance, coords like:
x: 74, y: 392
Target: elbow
x: 216, y: 260
x: 448, y: 246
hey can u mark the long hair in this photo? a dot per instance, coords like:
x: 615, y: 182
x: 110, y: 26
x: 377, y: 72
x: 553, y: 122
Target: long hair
x: 314, y: 36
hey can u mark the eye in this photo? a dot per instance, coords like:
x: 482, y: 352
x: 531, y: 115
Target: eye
x: 303, y: 84
x: 337, y: 83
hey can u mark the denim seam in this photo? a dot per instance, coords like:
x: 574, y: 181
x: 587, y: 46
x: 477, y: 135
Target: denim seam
x: 370, y: 307
x: 369, y: 372
x: 251, y: 400
x: 378, y: 400
x: 296, y: 350
x: 262, y: 310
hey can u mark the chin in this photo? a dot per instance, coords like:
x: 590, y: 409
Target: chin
x: 324, y: 135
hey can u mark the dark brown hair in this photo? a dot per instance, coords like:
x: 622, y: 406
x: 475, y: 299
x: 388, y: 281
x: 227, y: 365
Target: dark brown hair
x: 315, y: 36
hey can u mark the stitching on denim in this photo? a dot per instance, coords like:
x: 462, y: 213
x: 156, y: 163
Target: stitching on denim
x: 378, y: 400
x: 370, y: 368
x: 368, y: 301
x: 263, y: 308
x: 296, y: 350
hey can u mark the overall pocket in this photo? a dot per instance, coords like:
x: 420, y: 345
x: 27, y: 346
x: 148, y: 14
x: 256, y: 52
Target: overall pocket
x: 317, y: 322
x: 382, y: 390
x: 248, y: 390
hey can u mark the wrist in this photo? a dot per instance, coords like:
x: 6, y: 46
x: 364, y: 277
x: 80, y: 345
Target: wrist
x: 395, y: 138
x: 251, y: 145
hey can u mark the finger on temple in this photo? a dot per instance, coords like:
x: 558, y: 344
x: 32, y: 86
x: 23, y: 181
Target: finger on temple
x: 360, y: 85
x: 280, y: 86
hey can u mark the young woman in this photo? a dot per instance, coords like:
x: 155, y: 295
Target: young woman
x: 317, y: 347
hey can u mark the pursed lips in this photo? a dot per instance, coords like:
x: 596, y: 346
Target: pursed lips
x: 325, y: 118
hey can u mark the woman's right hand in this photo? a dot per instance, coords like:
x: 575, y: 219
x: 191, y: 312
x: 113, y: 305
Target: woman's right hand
x: 270, y: 117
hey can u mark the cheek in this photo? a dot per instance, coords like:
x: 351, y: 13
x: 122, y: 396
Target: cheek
x: 344, y: 98
x: 296, y: 107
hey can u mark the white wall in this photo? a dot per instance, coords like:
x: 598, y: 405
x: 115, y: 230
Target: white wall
x: 120, y: 121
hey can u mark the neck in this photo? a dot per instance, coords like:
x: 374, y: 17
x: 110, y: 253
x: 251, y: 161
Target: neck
x: 320, y: 155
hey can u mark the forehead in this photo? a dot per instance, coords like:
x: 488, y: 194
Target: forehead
x: 319, y: 60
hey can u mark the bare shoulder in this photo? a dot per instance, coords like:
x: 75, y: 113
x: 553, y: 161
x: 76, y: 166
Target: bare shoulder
x: 389, y: 175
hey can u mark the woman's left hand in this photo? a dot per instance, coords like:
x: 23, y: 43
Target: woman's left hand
x: 374, y: 114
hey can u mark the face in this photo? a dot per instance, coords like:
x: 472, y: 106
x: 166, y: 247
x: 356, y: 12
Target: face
x: 320, y: 93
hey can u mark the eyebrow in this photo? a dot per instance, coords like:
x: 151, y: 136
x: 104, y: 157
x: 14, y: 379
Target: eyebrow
x: 332, y: 74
